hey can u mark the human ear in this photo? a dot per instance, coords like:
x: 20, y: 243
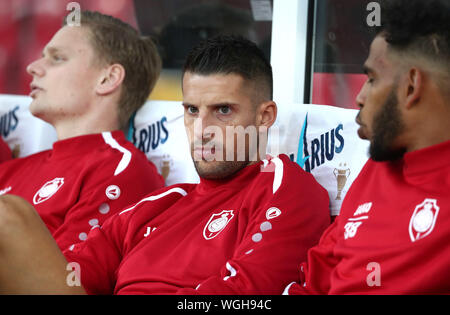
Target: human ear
x: 413, y: 87
x: 111, y: 79
x: 267, y: 114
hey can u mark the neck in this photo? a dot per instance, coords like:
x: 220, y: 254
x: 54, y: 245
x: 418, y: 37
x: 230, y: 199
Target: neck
x: 84, y: 126
x: 101, y: 116
x: 430, y: 126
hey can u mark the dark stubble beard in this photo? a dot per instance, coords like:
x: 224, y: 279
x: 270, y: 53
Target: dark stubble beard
x: 222, y: 170
x: 388, y: 125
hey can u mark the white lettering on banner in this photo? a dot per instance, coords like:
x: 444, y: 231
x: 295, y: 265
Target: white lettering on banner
x: 9, y: 122
x: 150, y: 137
x: 316, y: 152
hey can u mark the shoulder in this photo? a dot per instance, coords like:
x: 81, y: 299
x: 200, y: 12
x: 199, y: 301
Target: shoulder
x: 161, y: 198
x: 373, y: 170
x: 119, y: 156
x: 286, y: 173
x: 26, y: 160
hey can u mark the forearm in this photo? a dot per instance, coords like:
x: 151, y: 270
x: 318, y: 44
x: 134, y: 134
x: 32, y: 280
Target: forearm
x: 30, y: 260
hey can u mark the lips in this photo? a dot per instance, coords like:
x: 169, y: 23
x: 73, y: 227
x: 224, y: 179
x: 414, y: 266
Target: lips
x: 204, y: 152
x: 34, y: 89
x: 360, y: 131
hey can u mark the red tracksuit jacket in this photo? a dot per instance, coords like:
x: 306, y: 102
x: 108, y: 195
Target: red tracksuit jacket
x: 5, y: 151
x: 245, y: 235
x: 393, y: 233
x: 81, y: 182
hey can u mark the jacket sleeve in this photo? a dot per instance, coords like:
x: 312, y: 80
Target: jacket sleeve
x: 5, y: 151
x: 315, y: 273
x: 101, y: 197
x: 98, y: 258
x: 279, y: 232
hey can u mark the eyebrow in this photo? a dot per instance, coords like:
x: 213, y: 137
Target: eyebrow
x: 51, y: 50
x: 212, y: 105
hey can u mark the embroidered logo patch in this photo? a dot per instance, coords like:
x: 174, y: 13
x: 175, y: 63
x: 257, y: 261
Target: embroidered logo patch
x: 217, y: 224
x: 272, y: 213
x: 113, y: 192
x: 48, y: 190
x: 423, y: 219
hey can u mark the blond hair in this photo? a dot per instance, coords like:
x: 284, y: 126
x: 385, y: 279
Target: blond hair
x: 115, y: 41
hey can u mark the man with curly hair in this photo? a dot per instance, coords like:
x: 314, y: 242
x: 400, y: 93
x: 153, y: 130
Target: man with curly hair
x: 392, y: 234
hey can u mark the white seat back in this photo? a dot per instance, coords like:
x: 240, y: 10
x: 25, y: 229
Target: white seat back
x: 24, y: 133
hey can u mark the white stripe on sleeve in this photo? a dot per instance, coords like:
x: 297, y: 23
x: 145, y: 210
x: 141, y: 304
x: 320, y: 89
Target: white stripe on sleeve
x: 152, y: 198
x: 278, y: 176
x: 126, y: 158
x: 286, y: 290
x: 232, y: 271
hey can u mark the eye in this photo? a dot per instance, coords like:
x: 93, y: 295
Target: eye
x: 191, y: 110
x: 55, y: 58
x: 224, y: 110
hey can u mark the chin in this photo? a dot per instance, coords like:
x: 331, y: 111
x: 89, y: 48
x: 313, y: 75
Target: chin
x: 381, y: 153
x: 218, y: 170
x: 34, y: 109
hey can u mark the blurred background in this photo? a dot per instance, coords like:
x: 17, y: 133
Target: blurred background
x: 338, y: 38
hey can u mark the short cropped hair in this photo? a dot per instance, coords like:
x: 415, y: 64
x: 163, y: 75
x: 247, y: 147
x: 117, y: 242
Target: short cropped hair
x: 115, y: 41
x: 232, y: 54
x: 418, y: 27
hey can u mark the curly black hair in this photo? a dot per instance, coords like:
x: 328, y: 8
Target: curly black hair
x: 419, y: 26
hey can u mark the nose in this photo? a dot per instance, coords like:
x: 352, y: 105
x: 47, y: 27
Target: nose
x: 35, y: 68
x: 360, y: 98
x: 204, y: 129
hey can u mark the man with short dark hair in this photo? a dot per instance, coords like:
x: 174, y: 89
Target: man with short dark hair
x: 87, y: 91
x: 392, y: 235
x: 242, y: 230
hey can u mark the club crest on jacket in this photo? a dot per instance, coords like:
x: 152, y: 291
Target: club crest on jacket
x: 48, y: 190
x: 423, y: 219
x: 217, y: 224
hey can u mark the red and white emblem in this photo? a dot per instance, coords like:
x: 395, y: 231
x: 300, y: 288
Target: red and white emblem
x: 423, y: 219
x: 48, y: 190
x: 217, y: 224
x: 112, y: 192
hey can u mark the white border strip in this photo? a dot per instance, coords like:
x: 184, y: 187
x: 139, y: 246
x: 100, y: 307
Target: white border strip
x: 288, y: 53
